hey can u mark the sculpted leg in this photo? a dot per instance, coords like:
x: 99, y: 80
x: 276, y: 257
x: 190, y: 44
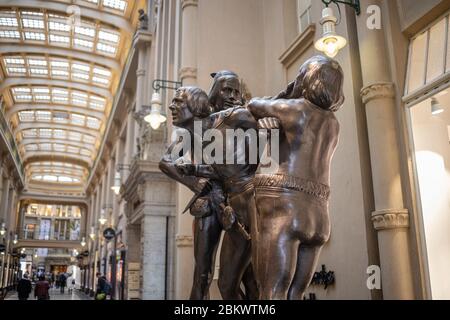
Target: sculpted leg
x: 234, y: 259
x: 249, y: 281
x: 207, y: 232
x: 306, y: 264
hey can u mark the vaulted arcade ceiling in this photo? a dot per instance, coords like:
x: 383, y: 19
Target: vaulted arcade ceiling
x: 60, y: 64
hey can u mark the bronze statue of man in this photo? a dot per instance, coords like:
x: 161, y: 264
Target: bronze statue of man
x: 188, y: 105
x: 236, y: 180
x: 290, y: 219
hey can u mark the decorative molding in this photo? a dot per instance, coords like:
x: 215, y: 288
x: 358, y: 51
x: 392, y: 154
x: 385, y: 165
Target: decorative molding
x: 300, y: 44
x: 140, y: 73
x: 187, y: 3
x: 390, y: 219
x: 184, y: 241
x: 378, y: 90
x: 187, y: 72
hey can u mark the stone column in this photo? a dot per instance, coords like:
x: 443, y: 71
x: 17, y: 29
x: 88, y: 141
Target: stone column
x: 188, y: 75
x: 390, y: 218
x: 130, y: 145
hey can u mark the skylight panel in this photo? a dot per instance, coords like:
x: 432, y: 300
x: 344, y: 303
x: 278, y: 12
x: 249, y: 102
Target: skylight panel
x: 85, y: 30
x: 115, y: 4
x: 61, y: 117
x: 80, y: 76
x: 100, y: 80
x: 59, y: 64
x: 8, y: 19
x: 18, y: 61
x: 85, y: 152
x: 93, y: 123
x: 74, y: 136
x: 42, y: 97
x: 9, y: 34
x: 41, y: 90
x: 45, y: 147
x: 109, y: 36
x: 81, y: 67
x: 72, y: 149
x: 25, y: 116
x: 59, y: 133
x: 43, y: 115
x: 102, y: 72
x: 59, y: 39
x: 78, y: 119
x: 37, y: 62
x: 31, y: 147
x: 15, y: 70
x: 88, y: 139
x: 60, y: 73
x: 32, y: 13
x: 21, y: 90
x: 83, y: 43
x: 23, y: 97
x: 39, y: 36
x: 50, y: 178
x: 59, y: 147
x: 106, y: 48
x: 32, y: 23
x: 58, y: 26
x: 65, y: 179
x: 37, y: 72
x: 97, y: 103
x: 30, y: 133
x: 45, y: 133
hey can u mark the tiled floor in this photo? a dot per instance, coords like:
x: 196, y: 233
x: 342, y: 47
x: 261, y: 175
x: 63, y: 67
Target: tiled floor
x: 55, y: 294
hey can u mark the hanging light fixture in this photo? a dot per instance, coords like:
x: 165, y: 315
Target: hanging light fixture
x: 436, y: 108
x: 330, y: 43
x: 16, y: 238
x: 3, y: 229
x: 92, y: 234
x: 117, y: 183
x: 102, y: 218
x: 83, y: 241
x: 155, y: 118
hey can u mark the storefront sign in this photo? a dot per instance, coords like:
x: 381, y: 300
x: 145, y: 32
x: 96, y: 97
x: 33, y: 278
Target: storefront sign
x: 109, y: 233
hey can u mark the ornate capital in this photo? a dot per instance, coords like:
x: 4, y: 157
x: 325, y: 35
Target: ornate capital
x: 390, y: 219
x: 188, y: 72
x: 187, y: 3
x: 377, y: 90
x: 184, y: 241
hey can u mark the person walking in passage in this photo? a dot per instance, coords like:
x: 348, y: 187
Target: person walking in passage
x: 24, y: 287
x: 41, y: 289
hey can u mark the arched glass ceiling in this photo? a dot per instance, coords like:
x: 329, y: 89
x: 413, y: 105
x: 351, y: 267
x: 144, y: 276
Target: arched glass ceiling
x: 60, y: 72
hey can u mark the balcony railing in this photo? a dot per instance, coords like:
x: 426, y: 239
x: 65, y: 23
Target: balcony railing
x: 35, y: 235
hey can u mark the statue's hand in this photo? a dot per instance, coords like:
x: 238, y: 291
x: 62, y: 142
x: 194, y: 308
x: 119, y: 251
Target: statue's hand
x: 269, y: 123
x: 185, y: 169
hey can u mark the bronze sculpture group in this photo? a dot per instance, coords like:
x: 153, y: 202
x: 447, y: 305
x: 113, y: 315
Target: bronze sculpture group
x: 277, y: 222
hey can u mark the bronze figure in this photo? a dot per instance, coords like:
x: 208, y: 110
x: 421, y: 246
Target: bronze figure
x: 188, y: 105
x: 290, y: 219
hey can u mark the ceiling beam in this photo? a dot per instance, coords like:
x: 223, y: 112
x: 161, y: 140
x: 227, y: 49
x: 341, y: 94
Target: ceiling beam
x: 51, y: 125
x: 24, y: 81
x: 77, y: 144
x: 49, y: 107
x: 60, y: 157
x: 11, y: 48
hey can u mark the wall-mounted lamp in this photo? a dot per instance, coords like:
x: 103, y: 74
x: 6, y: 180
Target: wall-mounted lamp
x: 330, y: 43
x: 102, y: 218
x: 3, y: 229
x: 117, y: 183
x: 83, y: 241
x: 155, y: 117
x: 92, y: 234
x: 436, y: 108
x: 16, y: 238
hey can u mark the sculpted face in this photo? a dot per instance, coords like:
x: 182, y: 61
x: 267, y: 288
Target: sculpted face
x: 229, y: 93
x: 181, y: 114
